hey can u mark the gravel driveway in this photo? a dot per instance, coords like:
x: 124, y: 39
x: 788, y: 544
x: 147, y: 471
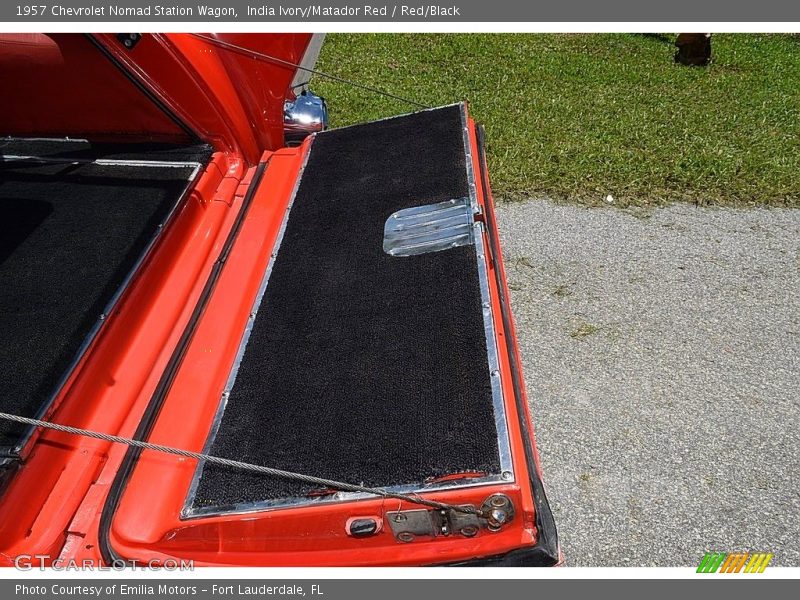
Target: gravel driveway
x: 662, y: 358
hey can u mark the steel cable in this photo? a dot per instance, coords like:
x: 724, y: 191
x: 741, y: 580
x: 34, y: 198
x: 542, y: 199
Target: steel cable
x: 274, y: 59
x: 235, y: 464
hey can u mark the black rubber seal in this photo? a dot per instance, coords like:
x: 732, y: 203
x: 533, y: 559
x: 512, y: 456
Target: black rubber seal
x: 545, y: 552
x: 143, y: 431
x: 533, y: 556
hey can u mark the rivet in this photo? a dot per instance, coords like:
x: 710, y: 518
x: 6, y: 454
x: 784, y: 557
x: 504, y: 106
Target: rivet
x: 405, y: 536
x: 506, y: 475
x: 495, y: 373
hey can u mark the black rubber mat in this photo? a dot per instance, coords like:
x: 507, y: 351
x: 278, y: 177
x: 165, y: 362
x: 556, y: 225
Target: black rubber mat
x: 361, y: 366
x: 69, y: 236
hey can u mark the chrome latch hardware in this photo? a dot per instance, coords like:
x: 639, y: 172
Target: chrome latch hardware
x: 496, y: 512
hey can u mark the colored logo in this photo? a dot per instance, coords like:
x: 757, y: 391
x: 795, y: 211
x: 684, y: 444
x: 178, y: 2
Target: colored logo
x: 740, y: 562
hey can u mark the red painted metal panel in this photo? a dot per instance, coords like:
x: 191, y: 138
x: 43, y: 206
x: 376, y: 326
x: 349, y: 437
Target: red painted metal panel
x: 233, y: 101
x: 60, y: 85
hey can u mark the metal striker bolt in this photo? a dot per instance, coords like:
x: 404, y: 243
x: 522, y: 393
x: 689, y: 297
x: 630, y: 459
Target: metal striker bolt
x: 497, y: 517
x: 498, y: 511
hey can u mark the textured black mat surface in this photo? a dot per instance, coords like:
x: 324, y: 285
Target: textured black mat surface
x: 69, y: 235
x: 363, y: 367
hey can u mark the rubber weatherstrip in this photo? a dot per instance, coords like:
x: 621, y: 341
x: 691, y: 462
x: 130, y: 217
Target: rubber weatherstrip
x: 109, y: 555
x: 545, y: 552
x: 144, y: 89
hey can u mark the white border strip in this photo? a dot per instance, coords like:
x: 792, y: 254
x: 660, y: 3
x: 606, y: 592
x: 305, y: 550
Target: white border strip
x: 378, y: 27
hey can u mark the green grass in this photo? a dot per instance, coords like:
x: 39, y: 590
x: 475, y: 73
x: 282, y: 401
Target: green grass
x: 579, y: 117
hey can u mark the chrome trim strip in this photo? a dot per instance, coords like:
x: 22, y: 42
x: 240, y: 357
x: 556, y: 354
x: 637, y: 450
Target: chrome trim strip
x: 493, y: 355
x: 67, y: 140
x: 308, y: 61
x: 506, y: 474
x: 187, y: 511
x: 17, y: 450
x: 110, y: 162
x: 336, y: 498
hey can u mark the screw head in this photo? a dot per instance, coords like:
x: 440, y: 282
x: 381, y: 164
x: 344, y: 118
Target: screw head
x: 469, y: 531
x: 405, y: 536
x: 498, y: 501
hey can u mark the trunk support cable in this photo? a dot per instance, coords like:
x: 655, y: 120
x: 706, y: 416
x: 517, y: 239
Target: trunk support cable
x: 235, y: 464
x: 286, y: 63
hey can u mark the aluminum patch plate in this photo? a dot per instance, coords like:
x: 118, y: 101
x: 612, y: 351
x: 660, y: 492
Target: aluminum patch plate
x: 429, y: 228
